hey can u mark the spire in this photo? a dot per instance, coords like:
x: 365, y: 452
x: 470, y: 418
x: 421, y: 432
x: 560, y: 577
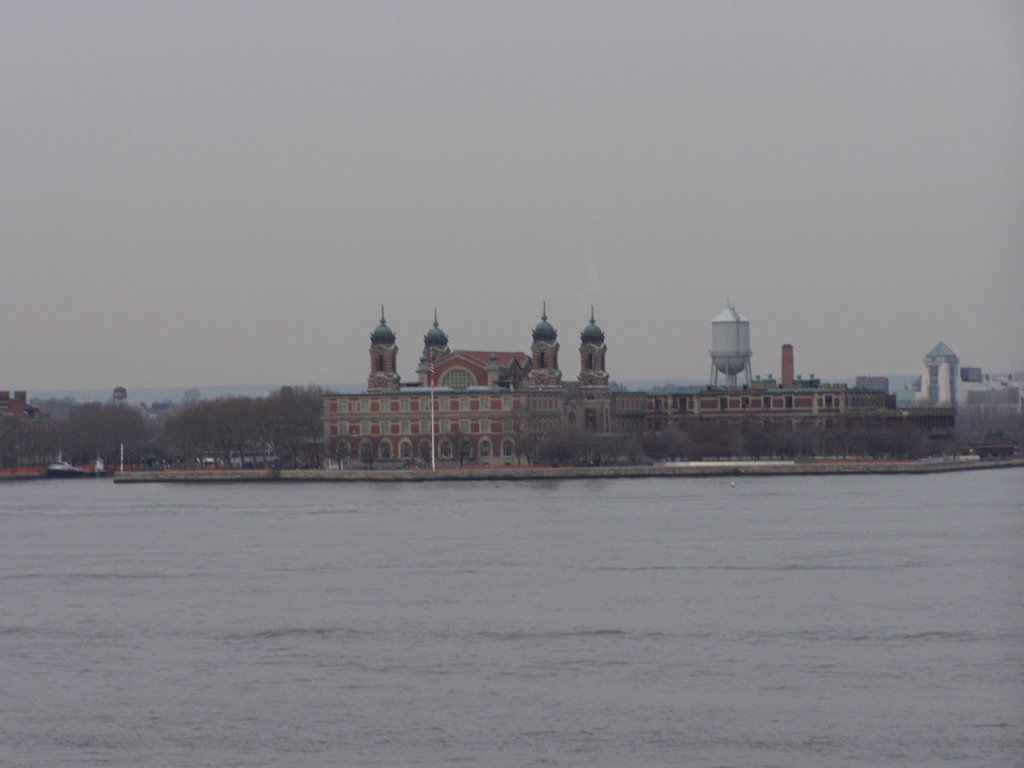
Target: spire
x: 435, y: 338
x: 382, y: 334
x: 592, y: 334
x: 544, y: 331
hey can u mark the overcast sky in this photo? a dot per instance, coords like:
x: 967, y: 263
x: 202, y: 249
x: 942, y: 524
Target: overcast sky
x: 226, y: 192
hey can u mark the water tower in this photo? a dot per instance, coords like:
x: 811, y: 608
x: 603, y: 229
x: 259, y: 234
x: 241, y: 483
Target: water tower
x: 730, y: 347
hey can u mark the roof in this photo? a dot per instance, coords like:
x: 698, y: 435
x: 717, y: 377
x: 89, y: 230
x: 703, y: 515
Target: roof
x: 730, y: 315
x: 941, y: 350
x: 504, y: 358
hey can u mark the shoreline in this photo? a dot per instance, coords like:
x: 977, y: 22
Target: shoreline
x: 679, y: 469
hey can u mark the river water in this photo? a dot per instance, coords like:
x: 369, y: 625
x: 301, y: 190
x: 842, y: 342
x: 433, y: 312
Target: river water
x: 791, y: 621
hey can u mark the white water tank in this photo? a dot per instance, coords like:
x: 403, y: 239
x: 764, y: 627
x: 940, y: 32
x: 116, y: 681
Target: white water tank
x: 730, y: 343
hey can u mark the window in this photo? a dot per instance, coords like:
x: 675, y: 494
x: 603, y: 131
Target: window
x: 457, y: 378
x: 446, y: 449
x: 385, y: 451
x: 405, y: 449
x: 508, y: 447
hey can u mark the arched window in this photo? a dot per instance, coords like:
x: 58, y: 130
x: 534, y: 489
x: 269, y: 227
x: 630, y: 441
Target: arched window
x: 380, y: 362
x: 465, y: 449
x: 445, y: 449
x: 485, y: 449
x: 590, y: 361
x: 425, y: 451
x: 457, y: 378
x: 385, y: 450
x: 365, y: 452
x: 543, y: 360
x: 405, y: 449
x: 508, y: 447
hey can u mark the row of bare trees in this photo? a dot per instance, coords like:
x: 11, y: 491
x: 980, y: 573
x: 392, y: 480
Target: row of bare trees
x: 283, y: 429
x: 89, y: 431
x: 708, y: 440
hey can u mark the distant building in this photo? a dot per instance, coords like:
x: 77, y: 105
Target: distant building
x: 940, y: 376
x: 1001, y: 401
x: 970, y: 375
x: 880, y: 383
x: 989, y: 394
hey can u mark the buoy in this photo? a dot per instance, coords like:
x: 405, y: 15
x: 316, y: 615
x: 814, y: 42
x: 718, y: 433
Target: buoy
x: 732, y: 483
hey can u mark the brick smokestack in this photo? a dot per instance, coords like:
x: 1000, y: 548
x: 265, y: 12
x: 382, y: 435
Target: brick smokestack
x: 787, y: 365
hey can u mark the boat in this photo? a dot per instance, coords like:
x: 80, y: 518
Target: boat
x: 99, y: 469
x: 61, y: 468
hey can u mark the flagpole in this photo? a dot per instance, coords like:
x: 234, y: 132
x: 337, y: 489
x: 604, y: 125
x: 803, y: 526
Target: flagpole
x: 433, y: 453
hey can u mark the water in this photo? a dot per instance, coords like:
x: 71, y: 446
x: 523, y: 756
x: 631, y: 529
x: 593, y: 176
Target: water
x: 784, y: 622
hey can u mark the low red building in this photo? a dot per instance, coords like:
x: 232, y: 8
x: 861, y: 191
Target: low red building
x: 24, y: 431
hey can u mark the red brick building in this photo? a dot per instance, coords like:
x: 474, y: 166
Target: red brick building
x: 25, y: 431
x: 486, y: 403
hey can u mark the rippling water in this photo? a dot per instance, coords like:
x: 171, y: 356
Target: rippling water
x: 784, y: 622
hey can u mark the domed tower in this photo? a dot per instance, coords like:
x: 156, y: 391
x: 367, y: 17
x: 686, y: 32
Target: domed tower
x: 544, y: 349
x: 592, y: 355
x: 383, y: 358
x: 435, y: 346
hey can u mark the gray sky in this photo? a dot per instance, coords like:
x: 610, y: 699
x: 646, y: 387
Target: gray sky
x: 214, y: 193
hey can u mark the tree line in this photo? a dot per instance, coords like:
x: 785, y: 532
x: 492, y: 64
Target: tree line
x: 751, y: 440
x: 285, y: 429
x: 282, y: 429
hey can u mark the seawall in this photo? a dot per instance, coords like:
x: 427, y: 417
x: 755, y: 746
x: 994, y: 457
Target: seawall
x: 689, y: 469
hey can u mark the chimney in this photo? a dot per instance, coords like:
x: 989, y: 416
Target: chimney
x: 787, y: 366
